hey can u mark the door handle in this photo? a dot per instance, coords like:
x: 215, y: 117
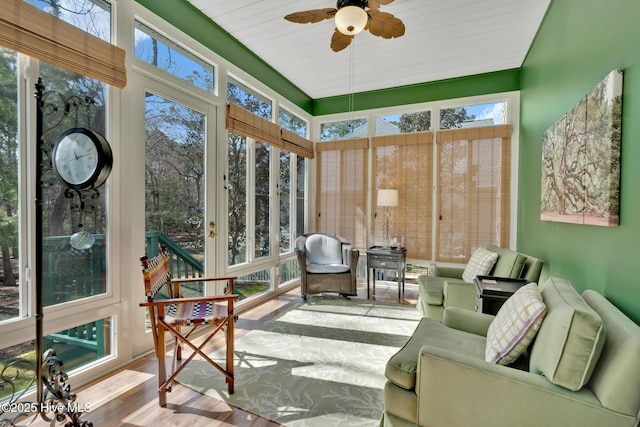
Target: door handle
x: 212, y: 226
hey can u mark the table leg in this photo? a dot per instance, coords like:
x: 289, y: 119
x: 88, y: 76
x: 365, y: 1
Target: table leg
x: 374, y: 283
x: 368, y: 271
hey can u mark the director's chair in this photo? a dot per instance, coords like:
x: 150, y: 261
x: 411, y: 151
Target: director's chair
x: 173, y: 314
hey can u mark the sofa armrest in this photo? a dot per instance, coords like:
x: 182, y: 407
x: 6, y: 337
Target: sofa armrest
x: 496, y: 395
x: 459, y: 294
x: 467, y: 321
x: 452, y: 272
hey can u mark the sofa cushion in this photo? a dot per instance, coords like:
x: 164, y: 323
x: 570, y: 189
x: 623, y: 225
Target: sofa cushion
x: 509, y: 263
x: 516, y: 324
x: 480, y: 263
x: 401, y: 368
x: 570, y: 339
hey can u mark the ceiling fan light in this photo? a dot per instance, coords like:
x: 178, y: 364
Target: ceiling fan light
x: 350, y: 20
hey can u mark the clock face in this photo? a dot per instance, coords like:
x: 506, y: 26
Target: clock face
x: 82, y: 158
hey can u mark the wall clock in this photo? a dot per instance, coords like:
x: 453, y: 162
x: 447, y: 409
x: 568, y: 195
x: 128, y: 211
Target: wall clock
x: 82, y: 159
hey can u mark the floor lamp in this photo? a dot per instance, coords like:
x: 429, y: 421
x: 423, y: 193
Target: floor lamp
x: 387, y: 198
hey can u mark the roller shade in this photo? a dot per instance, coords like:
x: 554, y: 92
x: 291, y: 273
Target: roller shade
x: 405, y: 162
x: 341, y: 196
x: 473, y: 191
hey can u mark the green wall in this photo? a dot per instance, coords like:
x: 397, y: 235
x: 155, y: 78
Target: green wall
x: 479, y: 84
x: 578, y: 44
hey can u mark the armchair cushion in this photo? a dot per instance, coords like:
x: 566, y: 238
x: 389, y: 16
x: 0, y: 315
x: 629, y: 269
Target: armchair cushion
x: 570, y: 339
x: 480, y: 263
x: 322, y: 249
x: 327, y: 268
x: 515, y: 325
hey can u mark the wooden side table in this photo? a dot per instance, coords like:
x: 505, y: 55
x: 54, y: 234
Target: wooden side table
x: 386, y: 259
x: 492, y: 292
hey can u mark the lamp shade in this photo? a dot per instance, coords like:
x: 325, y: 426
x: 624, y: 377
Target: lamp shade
x: 388, y: 198
x: 350, y: 20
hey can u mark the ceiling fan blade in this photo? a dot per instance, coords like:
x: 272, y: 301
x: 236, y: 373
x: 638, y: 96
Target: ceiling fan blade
x: 311, y: 16
x: 340, y: 41
x: 375, y: 4
x: 385, y: 25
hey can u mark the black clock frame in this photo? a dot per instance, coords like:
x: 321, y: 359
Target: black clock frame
x: 105, y: 159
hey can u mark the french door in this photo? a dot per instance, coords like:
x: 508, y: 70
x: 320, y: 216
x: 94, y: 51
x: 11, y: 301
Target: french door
x: 180, y: 162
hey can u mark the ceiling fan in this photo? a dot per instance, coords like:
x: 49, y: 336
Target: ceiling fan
x: 351, y: 17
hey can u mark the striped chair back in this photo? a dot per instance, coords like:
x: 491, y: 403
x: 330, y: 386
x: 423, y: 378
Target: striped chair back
x: 156, y: 273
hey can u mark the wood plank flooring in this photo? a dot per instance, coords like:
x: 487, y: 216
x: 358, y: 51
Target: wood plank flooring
x: 128, y: 397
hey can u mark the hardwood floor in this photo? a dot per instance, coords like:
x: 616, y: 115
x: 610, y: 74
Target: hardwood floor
x: 128, y: 396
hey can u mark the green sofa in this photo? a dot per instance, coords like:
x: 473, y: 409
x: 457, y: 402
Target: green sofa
x: 582, y: 369
x: 446, y: 288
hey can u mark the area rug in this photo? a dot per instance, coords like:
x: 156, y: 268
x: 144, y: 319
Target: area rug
x: 321, y: 363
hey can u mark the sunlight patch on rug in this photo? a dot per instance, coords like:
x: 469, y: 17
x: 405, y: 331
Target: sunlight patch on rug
x: 319, y: 364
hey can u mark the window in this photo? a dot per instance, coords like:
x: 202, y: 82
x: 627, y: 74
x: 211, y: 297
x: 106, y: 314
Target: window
x: 394, y: 124
x: 346, y: 129
x: 301, y: 217
x: 292, y: 123
x: 161, y: 52
x: 289, y: 165
x: 473, y: 190
x: 249, y: 99
x: 341, y: 201
x: 494, y: 113
x: 262, y: 200
x: 92, y: 16
x: 10, y: 147
x: 237, y: 198
x: 284, y: 187
x: 70, y: 274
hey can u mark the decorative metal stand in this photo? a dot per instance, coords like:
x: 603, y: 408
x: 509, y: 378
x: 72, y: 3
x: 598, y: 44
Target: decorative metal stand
x: 54, y: 400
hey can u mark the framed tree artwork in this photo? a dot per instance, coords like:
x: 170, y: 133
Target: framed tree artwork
x: 581, y: 159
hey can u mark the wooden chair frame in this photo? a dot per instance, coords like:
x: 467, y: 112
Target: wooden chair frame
x: 159, y: 327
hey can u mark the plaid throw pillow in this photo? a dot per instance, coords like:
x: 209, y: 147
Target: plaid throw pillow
x: 480, y: 264
x: 515, y: 325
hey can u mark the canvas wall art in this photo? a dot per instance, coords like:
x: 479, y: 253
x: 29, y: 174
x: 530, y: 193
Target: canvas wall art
x: 581, y: 159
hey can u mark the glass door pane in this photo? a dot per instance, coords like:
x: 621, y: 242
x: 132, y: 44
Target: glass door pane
x: 175, y: 185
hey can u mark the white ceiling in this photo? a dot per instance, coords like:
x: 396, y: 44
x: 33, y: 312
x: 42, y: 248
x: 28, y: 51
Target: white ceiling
x: 443, y: 39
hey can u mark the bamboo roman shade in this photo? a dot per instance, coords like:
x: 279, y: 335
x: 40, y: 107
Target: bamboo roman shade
x: 27, y: 29
x: 473, y: 191
x: 341, y: 195
x: 405, y: 162
x: 296, y: 144
x: 244, y: 122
